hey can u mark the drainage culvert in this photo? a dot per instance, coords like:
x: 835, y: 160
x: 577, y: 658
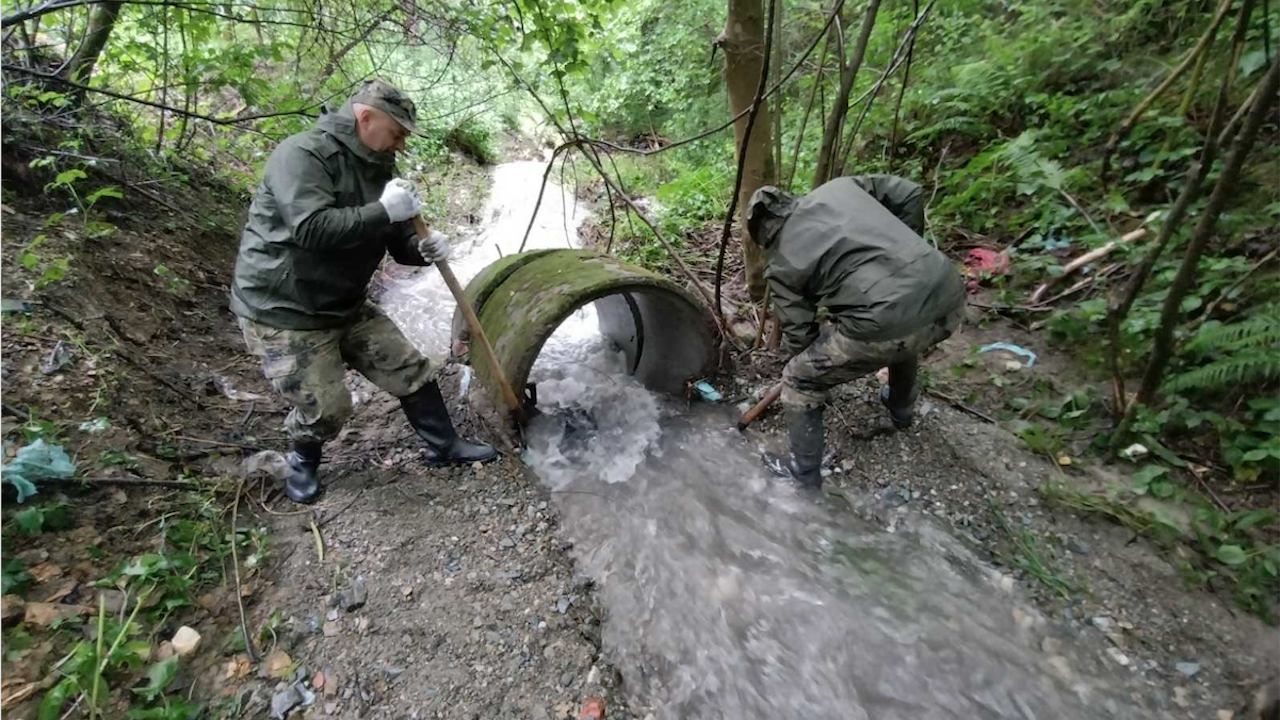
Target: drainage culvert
x: 663, y: 331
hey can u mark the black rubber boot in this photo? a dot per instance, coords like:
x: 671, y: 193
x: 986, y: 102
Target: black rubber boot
x: 900, y: 394
x: 302, y: 485
x: 804, y: 463
x: 430, y: 419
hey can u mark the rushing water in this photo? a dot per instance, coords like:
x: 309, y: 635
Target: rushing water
x: 728, y: 594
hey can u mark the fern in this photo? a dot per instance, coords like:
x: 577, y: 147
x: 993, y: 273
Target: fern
x: 1240, y: 354
x: 1262, y: 329
x: 1247, y: 367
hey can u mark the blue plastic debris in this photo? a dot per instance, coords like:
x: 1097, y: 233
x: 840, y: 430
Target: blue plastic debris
x: 707, y: 392
x: 1009, y: 347
x: 37, y: 461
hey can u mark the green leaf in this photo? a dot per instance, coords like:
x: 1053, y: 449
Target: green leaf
x: 29, y: 260
x: 1259, y: 516
x: 159, y: 676
x: 1162, y: 488
x: 1257, y: 455
x: 108, y: 191
x: 67, y: 177
x: 30, y: 521
x: 51, y: 705
x: 1230, y: 554
x: 1143, y: 478
x: 15, y: 576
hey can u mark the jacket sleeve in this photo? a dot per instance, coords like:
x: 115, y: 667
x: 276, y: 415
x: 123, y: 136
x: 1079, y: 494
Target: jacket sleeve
x: 798, y: 316
x: 402, y: 243
x: 304, y: 194
x: 899, y: 196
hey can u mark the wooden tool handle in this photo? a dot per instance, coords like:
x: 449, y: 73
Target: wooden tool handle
x: 477, y: 331
x: 769, y: 398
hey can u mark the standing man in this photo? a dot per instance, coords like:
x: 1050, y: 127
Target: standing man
x: 854, y: 247
x: 325, y: 214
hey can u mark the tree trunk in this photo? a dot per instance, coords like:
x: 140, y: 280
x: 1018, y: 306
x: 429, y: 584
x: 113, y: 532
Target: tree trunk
x: 775, y: 72
x: 1222, y: 191
x: 743, y: 43
x: 101, y: 22
x: 835, y: 121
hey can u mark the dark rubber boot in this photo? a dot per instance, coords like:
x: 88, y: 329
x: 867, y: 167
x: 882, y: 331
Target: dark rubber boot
x: 302, y: 485
x: 900, y: 394
x: 430, y: 419
x: 804, y: 463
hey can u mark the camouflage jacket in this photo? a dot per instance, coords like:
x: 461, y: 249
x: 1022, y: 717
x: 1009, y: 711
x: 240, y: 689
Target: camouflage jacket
x: 853, y: 246
x: 316, y: 231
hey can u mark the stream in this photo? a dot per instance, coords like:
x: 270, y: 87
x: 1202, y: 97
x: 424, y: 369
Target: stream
x: 729, y: 594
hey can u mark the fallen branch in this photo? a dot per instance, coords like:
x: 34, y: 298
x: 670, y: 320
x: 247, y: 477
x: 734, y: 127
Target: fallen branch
x: 1089, y: 257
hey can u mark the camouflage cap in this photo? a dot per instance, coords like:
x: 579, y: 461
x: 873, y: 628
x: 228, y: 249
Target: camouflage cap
x: 384, y: 96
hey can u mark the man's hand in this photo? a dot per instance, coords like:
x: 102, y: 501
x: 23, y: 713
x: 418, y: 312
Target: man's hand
x: 434, y: 247
x: 400, y: 200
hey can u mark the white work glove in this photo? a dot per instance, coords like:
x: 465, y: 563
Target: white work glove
x: 434, y: 247
x: 400, y: 200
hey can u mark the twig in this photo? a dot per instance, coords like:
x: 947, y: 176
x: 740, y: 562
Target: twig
x: 1208, y: 311
x: 955, y: 402
x: 217, y: 443
x: 235, y: 566
x: 341, y: 510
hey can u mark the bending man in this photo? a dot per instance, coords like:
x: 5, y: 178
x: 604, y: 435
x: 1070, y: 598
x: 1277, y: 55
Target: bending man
x: 853, y: 246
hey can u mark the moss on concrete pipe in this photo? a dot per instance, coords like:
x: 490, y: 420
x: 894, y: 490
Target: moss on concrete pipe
x: 664, y: 332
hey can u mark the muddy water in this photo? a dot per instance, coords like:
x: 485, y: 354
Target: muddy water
x: 730, y: 595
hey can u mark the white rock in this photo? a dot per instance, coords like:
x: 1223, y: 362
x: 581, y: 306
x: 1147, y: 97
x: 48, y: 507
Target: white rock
x: 185, y: 641
x: 1121, y: 659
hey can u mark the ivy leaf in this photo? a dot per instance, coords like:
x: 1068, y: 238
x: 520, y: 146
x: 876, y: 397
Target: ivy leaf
x: 1143, y: 479
x: 1230, y: 554
x: 159, y: 676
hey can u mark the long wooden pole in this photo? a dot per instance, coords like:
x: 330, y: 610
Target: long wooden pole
x: 477, y: 331
x: 769, y: 398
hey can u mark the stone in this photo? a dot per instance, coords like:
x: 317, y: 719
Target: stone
x: 1051, y: 646
x: 354, y: 597
x: 1101, y: 622
x: 563, y: 604
x: 330, y: 683
x: 331, y: 628
x: 276, y: 664
x: 506, y: 543
x: 283, y: 702
x: 1120, y: 658
x: 165, y: 651
x: 566, y: 677
x: 34, y: 556
x: 185, y: 641
x: 393, y: 671
x: 1182, y: 696
x: 1190, y: 669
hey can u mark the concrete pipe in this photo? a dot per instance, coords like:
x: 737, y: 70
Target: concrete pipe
x: 664, y: 332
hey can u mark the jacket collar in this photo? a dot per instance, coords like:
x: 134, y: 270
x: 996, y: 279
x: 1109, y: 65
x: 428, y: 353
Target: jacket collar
x: 342, y: 126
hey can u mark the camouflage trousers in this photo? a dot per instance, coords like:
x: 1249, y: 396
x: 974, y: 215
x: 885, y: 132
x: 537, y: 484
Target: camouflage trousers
x: 307, y: 367
x: 835, y: 358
